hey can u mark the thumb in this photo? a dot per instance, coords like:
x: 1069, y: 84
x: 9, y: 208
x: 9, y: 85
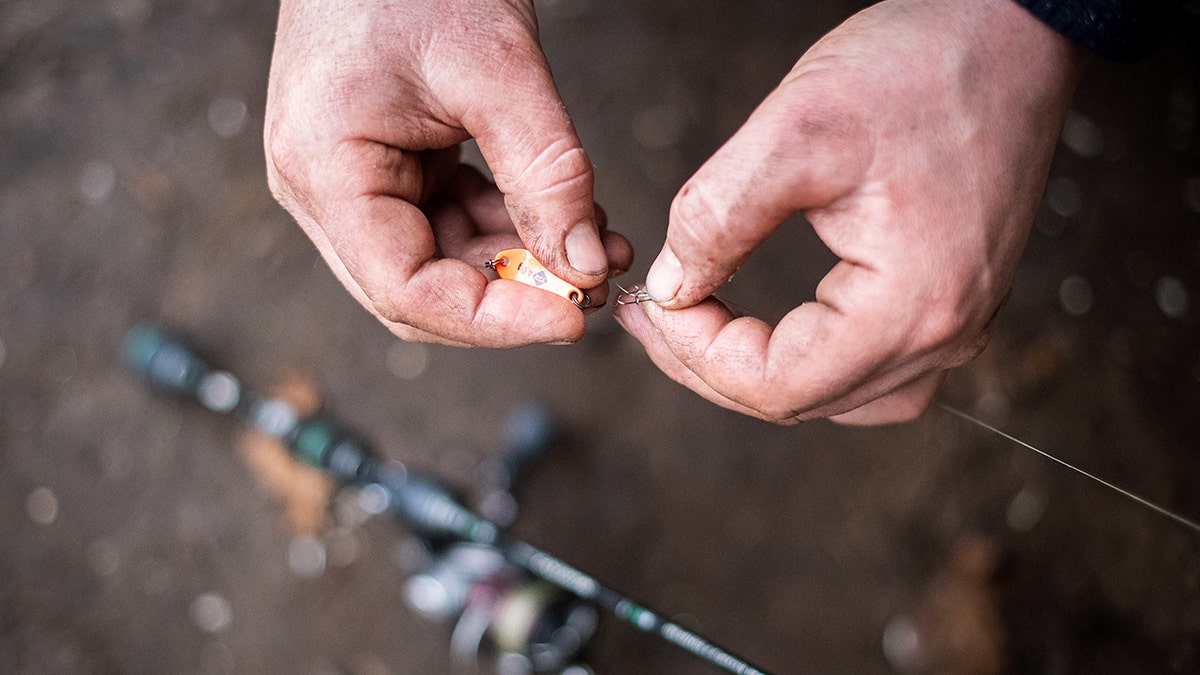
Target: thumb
x: 530, y: 144
x: 793, y: 153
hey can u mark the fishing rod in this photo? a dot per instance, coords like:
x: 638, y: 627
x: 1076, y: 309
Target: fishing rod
x: 504, y: 594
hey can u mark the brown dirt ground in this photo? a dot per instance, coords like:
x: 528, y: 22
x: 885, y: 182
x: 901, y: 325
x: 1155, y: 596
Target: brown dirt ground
x: 132, y: 189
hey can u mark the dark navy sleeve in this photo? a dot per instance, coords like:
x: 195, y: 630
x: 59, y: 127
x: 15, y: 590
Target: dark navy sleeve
x: 1125, y: 30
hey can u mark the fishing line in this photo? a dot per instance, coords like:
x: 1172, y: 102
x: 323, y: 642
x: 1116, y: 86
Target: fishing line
x: 1137, y: 498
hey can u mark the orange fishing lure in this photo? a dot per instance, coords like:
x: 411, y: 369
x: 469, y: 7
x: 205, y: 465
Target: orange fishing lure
x: 518, y: 264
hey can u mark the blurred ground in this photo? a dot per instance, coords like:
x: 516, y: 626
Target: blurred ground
x: 132, y: 538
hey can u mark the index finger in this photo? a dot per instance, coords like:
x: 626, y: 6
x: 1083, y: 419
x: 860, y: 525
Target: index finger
x: 824, y: 358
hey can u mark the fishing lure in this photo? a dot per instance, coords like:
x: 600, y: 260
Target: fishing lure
x: 518, y: 264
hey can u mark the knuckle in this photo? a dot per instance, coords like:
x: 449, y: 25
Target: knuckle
x: 391, y: 302
x: 699, y: 236
x: 394, y: 309
x: 561, y: 166
x: 696, y: 215
x: 957, y: 333
x: 410, y: 334
x: 971, y: 349
x: 514, y: 51
x: 945, y: 325
x: 512, y: 39
x: 774, y: 406
x: 389, y: 308
x: 565, y: 165
x: 285, y: 163
x: 777, y: 414
x: 942, y: 328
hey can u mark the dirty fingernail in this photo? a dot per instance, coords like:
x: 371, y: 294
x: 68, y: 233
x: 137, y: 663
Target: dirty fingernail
x: 584, y: 250
x: 665, y: 276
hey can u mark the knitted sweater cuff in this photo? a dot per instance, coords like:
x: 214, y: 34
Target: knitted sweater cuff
x: 1125, y: 30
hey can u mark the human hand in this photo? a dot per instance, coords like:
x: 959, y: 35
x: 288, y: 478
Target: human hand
x: 367, y: 104
x: 916, y: 137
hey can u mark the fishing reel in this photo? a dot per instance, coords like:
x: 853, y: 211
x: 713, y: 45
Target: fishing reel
x: 502, y: 614
x: 499, y: 611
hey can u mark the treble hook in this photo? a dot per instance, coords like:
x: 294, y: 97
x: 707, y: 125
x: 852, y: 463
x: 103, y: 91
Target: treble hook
x: 634, y: 295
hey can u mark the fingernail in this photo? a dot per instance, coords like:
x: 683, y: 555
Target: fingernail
x: 584, y: 250
x: 665, y: 276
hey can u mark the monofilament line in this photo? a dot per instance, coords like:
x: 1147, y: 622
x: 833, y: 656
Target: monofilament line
x: 1141, y: 500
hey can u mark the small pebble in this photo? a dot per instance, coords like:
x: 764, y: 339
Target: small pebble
x: 227, y: 116
x: 306, y: 557
x: 902, y: 643
x: 1075, y: 295
x: 211, y: 613
x: 407, y: 360
x: 97, y: 180
x: 1171, y: 296
x: 42, y: 506
x: 993, y: 405
x: 1064, y: 197
x: 1025, y: 510
x: 1082, y: 136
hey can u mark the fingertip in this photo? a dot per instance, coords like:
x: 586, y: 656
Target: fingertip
x: 585, y: 251
x: 619, y: 253
x: 665, y: 277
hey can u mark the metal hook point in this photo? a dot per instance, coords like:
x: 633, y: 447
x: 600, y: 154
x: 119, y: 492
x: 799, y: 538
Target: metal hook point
x: 634, y: 295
